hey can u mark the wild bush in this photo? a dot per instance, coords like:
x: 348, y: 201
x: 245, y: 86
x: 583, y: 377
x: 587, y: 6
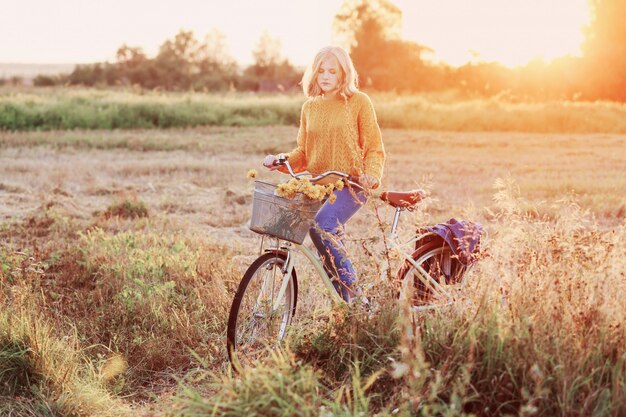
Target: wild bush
x: 150, y: 296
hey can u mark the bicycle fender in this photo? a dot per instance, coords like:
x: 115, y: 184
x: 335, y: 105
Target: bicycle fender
x: 278, y: 252
x: 433, y: 242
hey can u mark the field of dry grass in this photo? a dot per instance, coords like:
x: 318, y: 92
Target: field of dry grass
x: 187, y: 173
x: 120, y: 252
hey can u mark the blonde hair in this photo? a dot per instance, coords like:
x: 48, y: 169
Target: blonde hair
x: 348, y: 82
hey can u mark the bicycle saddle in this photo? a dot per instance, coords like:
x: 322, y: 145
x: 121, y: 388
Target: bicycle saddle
x: 402, y: 199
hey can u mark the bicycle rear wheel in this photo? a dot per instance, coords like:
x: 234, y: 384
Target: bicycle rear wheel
x: 439, y: 262
x: 257, y: 320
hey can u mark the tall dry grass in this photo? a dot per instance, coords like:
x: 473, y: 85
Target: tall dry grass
x: 126, y: 288
x: 128, y: 246
x: 192, y: 170
x: 539, y: 332
x: 43, y: 374
x: 542, y: 334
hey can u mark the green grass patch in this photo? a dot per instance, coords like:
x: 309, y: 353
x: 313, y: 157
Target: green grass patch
x: 80, y: 108
x: 93, y: 109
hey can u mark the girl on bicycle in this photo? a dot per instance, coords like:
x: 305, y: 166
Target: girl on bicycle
x: 338, y: 132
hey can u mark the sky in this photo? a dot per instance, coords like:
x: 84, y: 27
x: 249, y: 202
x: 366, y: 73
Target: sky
x: 512, y: 32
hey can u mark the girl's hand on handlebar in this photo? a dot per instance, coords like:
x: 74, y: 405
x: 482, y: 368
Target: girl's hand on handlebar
x: 271, y: 162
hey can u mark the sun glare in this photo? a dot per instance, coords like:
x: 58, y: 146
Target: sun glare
x: 512, y: 32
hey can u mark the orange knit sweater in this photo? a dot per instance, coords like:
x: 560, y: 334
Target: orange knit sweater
x: 341, y: 135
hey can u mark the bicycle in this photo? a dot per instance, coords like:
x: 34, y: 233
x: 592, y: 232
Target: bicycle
x: 266, y: 299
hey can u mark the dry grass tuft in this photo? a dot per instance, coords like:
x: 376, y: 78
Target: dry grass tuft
x: 128, y: 208
x: 43, y: 374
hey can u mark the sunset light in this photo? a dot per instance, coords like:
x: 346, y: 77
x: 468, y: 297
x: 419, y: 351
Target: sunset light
x: 312, y: 208
x: 511, y: 32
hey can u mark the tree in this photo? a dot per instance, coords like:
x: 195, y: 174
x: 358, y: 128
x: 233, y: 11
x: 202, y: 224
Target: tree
x: 266, y: 52
x: 605, y: 51
x: 370, y: 29
x: 43, y: 80
x: 270, y: 71
x: 133, y: 66
x: 176, y: 61
x: 360, y: 20
x: 94, y: 74
x: 214, y: 56
x: 217, y: 69
x: 130, y: 57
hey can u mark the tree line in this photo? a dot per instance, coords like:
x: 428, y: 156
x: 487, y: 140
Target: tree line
x: 370, y: 29
x: 386, y: 62
x: 187, y: 63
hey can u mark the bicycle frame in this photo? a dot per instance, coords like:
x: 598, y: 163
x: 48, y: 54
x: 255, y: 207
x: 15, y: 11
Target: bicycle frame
x: 394, y: 244
x: 287, y: 247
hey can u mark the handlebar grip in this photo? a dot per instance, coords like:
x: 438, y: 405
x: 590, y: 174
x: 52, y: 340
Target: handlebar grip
x: 279, y: 161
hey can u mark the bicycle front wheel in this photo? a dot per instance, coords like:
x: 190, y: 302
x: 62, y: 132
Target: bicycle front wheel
x: 259, y: 315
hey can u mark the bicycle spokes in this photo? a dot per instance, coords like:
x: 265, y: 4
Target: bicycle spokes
x: 432, y: 277
x: 262, y: 319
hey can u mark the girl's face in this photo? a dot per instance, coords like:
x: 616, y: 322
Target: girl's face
x: 329, y: 74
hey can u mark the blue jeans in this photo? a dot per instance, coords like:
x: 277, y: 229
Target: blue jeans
x: 326, y: 234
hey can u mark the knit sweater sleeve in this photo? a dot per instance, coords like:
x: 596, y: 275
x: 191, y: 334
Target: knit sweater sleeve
x: 297, y: 157
x: 371, y: 139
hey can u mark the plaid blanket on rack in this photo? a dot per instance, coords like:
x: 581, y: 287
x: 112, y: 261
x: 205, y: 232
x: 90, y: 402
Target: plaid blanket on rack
x: 462, y: 236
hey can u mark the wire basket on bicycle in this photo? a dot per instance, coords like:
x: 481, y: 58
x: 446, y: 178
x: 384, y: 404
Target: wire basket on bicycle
x: 283, y: 218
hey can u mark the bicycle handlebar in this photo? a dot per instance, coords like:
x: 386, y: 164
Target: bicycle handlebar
x: 282, y: 161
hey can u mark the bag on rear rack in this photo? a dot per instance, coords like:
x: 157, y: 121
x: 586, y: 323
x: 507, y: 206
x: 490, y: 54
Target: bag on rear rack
x: 462, y: 236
